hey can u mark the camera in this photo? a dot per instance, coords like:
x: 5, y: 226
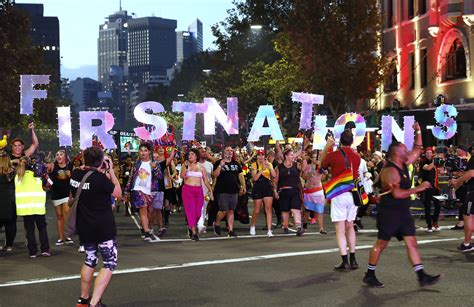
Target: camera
x: 455, y: 163
x: 105, y: 164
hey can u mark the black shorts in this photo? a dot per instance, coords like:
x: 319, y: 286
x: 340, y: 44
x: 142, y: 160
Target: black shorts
x: 262, y: 188
x: 467, y: 207
x: 290, y: 199
x: 395, y: 223
x: 170, y: 195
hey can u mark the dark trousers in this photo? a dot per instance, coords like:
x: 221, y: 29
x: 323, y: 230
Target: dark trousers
x: 276, y: 208
x: 10, y: 230
x: 428, y: 202
x: 40, y: 220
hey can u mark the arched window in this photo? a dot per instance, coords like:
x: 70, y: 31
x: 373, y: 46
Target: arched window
x: 455, y: 62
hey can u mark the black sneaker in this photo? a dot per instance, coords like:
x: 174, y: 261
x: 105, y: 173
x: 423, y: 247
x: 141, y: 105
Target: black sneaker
x: 148, y: 237
x: 232, y: 234
x: 299, y: 232
x: 463, y: 248
x: 429, y: 280
x: 83, y: 302
x: 457, y: 227
x: 142, y: 233
x: 190, y: 233
x: 354, y: 265
x: 359, y: 224
x: 305, y: 226
x: 217, y: 229
x: 161, y: 232
x: 195, y: 237
x: 323, y: 232
x: 372, y: 281
x: 343, y: 267
x: 286, y: 231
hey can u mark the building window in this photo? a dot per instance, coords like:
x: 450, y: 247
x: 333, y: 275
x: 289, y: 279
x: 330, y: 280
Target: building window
x: 421, y: 7
x: 389, y: 13
x: 455, y: 64
x: 391, y: 80
x: 412, y: 70
x: 424, y: 67
x: 411, y: 9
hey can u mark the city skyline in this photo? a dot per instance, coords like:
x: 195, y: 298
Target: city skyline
x: 82, y: 62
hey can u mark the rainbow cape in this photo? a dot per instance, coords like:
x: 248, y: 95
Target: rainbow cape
x: 340, y: 184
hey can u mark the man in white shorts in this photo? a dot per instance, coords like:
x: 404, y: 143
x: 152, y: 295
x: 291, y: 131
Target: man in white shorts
x: 343, y: 210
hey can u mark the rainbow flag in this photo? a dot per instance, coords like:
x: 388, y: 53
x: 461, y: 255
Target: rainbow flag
x: 340, y: 184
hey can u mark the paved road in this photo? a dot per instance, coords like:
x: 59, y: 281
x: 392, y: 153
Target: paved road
x: 252, y: 271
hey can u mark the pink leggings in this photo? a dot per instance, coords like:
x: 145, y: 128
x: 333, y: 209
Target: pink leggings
x: 193, y: 200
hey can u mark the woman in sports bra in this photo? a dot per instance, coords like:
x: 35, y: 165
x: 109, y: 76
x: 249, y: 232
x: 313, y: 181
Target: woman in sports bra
x: 194, y: 177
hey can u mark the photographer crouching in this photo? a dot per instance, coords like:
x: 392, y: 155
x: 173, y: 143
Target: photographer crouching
x: 464, y: 186
x: 95, y: 221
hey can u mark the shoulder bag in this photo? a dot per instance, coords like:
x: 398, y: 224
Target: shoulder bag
x: 358, y: 191
x: 72, y: 203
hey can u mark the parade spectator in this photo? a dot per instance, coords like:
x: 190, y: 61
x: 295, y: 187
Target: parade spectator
x: 288, y: 183
x: 313, y: 197
x: 125, y: 171
x: 18, y: 146
x: 429, y: 172
x: 31, y: 204
x: 230, y: 183
x: 204, y: 158
x: 394, y: 217
x: 146, y: 181
x: 194, y: 176
x: 343, y: 210
x: 95, y: 222
x: 7, y: 203
x: 60, y: 176
x: 262, y: 192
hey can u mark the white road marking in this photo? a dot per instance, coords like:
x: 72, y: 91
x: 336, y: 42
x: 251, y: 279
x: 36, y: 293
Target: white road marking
x: 205, y: 263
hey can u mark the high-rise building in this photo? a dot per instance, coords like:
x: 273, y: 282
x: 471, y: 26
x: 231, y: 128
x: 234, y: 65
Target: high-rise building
x: 196, y: 30
x: 185, y: 45
x: 151, y: 47
x: 45, y: 34
x: 84, y: 92
x: 112, y: 47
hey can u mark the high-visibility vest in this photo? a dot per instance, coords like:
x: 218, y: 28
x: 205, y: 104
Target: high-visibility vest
x: 30, y: 196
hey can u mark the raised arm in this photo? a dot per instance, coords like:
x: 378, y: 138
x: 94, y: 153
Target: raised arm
x: 34, y: 141
x: 417, y: 147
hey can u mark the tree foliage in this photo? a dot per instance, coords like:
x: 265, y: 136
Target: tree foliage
x: 335, y: 44
x: 17, y: 57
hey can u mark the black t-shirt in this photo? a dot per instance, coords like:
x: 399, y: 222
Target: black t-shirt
x: 470, y: 166
x: 288, y: 176
x: 95, y: 220
x: 15, y: 160
x: 427, y: 175
x: 60, y: 177
x: 228, y: 180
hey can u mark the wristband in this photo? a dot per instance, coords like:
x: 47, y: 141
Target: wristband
x: 418, y: 132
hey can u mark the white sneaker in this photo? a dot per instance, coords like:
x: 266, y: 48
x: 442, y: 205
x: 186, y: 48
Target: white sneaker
x: 202, y: 230
x: 81, y: 249
x: 270, y: 234
x: 252, y: 230
x: 429, y: 230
